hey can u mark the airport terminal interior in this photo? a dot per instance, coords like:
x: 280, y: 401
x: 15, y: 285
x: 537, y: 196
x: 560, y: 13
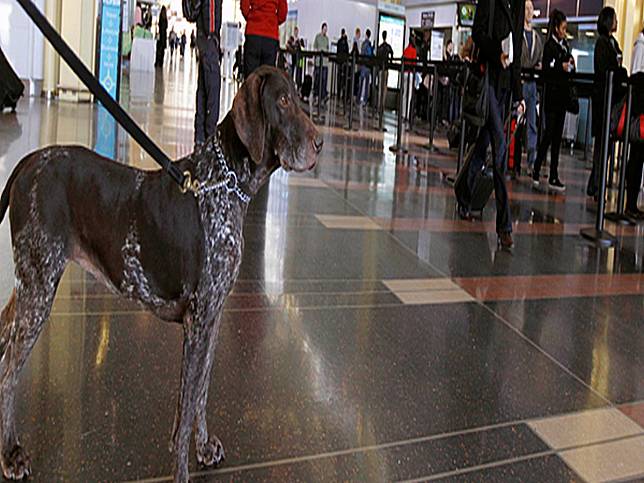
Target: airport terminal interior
x: 372, y: 334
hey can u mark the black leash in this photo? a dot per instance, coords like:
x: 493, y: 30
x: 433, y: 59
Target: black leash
x: 100, y: 93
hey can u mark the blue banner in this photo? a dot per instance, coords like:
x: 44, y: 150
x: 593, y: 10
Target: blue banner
x: 108, y: 49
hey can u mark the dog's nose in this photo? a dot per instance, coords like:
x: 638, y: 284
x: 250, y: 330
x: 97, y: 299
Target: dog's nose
x: 318, y: 142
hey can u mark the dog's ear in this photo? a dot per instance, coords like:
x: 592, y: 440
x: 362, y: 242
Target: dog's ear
x: 249, y: 118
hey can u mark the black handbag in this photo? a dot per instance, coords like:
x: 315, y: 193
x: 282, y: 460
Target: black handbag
x: 191, y: 9
x: 475, y: 97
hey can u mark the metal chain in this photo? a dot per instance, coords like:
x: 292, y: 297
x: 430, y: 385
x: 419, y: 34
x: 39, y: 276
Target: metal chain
x: 230, y: 181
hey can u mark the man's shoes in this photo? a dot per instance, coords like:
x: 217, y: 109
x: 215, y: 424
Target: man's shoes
x: 556, y: 185
x: 464, y: 213
x: 535, y: 180
x: 636, y: 214
x: 199, y: 145
x: 505, y: 240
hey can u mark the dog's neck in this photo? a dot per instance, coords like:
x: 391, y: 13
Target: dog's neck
x: 252, y: 176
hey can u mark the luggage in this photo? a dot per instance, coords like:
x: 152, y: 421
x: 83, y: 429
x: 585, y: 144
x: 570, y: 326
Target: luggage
x: 307, y: 86
x: 474, y: 198
x: 11, y: 87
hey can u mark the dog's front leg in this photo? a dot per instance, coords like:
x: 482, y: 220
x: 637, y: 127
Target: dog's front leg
x: 198, y: 350
x: 210, y: 450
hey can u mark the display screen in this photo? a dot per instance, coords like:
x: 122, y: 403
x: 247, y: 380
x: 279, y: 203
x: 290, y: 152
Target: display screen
x: 466, y: 13
x: 395, y: 28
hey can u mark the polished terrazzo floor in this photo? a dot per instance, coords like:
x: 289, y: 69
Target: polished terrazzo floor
x: 372, y: 335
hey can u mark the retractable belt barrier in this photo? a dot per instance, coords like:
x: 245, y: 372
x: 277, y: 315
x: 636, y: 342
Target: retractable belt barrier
x: 90, y: 81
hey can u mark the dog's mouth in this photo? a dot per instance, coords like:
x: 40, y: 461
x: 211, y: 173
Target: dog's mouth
x: 296, y: 160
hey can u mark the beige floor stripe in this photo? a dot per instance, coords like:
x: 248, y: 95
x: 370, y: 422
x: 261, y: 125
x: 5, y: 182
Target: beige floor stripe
x: 337, y: 222
x: 584, y: 428
x: 427, y: 291
x: 617, y: 460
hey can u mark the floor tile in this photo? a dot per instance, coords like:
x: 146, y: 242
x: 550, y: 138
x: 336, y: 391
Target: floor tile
x: 635, y: 411
x: 618, y: 460
x: 587, y: 427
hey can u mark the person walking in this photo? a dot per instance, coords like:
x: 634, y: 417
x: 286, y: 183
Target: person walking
x: 209, y: 74
x: 182, y: 44
x: 608, y: 57
x: 162, y: 41
x: 501, y: 50
x: 557, y: 63
x: 321, y: 71
x: 172, y: 40
x: 263, y: 18
x: 636, y: 158
x: 531, y: 57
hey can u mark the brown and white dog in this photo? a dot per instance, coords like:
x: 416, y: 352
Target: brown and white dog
x: 176, y: 254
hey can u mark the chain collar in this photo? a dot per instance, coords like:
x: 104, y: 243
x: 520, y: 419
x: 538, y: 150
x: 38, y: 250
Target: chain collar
x: 229, y: 181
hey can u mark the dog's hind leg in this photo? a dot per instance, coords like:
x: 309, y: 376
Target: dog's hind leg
x: 198, y: 348
x: 210, y: 450
x: 39, y: 265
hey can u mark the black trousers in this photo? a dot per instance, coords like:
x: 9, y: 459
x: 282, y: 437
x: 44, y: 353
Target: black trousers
x: 492, y: 134
x: 552, y: 136
x: 259, y: 51
x: 634, y: 175
x: 208, y: 89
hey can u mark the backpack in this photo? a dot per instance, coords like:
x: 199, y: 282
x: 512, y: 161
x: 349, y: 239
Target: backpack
x: 191, y: 9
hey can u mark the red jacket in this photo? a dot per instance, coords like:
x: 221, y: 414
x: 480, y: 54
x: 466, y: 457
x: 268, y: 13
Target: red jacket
x: 263, y: 17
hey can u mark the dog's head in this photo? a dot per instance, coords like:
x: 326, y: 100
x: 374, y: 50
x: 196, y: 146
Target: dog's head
x: 271, y: 124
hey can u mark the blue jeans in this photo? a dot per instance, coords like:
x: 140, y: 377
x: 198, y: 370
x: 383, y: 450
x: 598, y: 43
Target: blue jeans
x: 365, y: 83
x: 493, y: 130
x: 531, y: 97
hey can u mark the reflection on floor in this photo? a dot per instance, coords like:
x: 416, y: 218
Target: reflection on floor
x: 372, y: 335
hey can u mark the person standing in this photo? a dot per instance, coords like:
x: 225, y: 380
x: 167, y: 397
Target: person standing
x: 263, y: 18
x: 182, y: 44
x: 531, y: 56
x: 321, y: 44
x: 163, y: 37
x: 608, y: 57
x: 501, y: 50
x: 557, y: 63
x: 385, y: 54
x: 209, y: 75
x: 172, y: 40
x: 343, y: 59
x: 636, y: 158
x: 365, y: 71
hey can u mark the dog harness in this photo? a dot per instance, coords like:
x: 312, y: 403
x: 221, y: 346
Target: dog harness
x: 229, y: 181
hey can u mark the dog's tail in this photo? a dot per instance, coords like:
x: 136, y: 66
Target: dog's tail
x: 4, y: 200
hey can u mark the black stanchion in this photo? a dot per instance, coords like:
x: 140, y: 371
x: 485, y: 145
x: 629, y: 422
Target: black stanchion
x: 588, y: 136
x: 320, y: 67
x: 597, y: 234
x: 432, y: 119
x: 618, y: 216
x: 398, y: 147
x: 352, y: 75
x: 410, y: 99
x: 384, y: 76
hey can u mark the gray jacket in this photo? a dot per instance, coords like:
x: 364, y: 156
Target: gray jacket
x: 530, y: 58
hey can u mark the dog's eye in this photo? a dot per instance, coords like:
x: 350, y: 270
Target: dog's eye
x: 284, y: 101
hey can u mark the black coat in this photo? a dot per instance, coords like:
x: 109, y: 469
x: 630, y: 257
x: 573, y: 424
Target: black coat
x: 203, y: 22
x: 555, y: 54
x: 508, y: 17
x: 607, y: 52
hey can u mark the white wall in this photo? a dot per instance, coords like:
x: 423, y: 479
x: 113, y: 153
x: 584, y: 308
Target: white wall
x: 21, y: 41
x: 338, y: 14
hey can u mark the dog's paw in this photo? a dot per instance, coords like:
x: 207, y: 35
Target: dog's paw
x: 211, y: 453
x: 15, y: 463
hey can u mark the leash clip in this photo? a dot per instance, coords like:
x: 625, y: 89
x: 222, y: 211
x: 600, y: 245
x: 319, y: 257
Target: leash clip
x: 189, y: 184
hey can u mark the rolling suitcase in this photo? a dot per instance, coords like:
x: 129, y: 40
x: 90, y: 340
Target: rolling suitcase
x: 474, y: 198
x: 307, y: 86
x: 11, y: 87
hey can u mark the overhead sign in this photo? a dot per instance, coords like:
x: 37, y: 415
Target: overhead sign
x: 427, y: 19
x: 395, y: 8
x: 109, y: 61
